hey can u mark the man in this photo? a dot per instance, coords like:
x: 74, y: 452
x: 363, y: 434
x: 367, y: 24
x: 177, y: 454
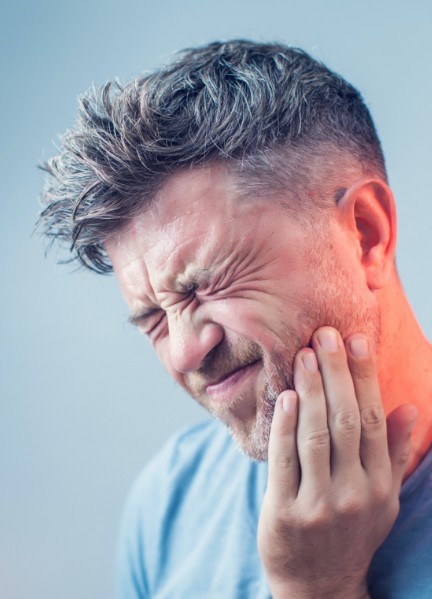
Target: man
x: 241, y: 198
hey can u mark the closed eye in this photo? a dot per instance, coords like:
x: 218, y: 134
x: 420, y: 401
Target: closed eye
x: 147, y: 320
x: 188, y: 288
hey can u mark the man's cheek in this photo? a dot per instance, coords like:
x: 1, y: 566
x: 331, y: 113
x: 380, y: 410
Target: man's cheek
x: 249, y: 319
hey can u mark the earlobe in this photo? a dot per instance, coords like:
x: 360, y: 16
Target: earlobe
x: 367, y: 210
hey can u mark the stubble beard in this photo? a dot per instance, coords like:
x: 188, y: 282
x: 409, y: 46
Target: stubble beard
x: 335, y: 303
x: 354, y: 318
x: 275, y: 374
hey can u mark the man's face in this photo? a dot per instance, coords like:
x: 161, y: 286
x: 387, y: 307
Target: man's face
x: 228, y: 289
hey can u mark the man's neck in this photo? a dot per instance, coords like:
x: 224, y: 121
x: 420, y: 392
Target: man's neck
x: 405, y: 364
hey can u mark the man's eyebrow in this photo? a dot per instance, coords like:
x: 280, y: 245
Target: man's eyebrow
x: 200, y: 276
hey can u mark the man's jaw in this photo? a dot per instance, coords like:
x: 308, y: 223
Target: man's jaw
x: 249, y: 405
x: 240, y: 389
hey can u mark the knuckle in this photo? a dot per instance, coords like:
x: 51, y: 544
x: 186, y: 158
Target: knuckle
x: 318, y: 438
x: 346, y: 421
x: 402, y: 457
x: 372, y: 417
x: 284, y: 463
x: 319, y: 516
x: 350, y: 504
x: 282, y: 522
x: 275, y: 514
x: 381, y: 491
x: 394, y: 508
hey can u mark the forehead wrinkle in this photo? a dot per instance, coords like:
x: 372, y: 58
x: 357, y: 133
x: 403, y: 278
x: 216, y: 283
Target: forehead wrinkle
x: 170, y: 264
x: 184, y: 262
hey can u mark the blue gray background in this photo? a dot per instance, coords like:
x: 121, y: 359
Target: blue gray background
x: 84, y: 402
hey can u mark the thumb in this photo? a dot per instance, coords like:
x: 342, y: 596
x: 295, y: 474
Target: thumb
x: 400, y: 423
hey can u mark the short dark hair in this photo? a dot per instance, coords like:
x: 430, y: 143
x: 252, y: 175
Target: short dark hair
x: 246, y: 103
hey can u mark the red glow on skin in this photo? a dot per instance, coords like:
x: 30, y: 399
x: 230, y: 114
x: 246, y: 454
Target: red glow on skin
x: 257, y: 285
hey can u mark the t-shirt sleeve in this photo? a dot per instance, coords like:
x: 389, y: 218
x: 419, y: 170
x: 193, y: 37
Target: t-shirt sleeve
x: 130, y: 570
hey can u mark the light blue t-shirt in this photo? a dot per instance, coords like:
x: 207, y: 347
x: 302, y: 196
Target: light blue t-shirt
x: 190, y: 524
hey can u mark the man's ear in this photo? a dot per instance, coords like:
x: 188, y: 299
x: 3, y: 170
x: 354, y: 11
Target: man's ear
x: 367, y: 211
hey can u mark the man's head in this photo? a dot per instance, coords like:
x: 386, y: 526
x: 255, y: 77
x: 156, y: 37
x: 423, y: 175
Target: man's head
x: 238, y: 193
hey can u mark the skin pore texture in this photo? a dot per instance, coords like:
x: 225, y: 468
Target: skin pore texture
x: 228, y: 289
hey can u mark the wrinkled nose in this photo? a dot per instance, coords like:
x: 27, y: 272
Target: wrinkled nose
x: 191, y: 340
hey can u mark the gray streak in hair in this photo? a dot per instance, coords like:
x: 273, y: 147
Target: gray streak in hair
x: 269, y: 111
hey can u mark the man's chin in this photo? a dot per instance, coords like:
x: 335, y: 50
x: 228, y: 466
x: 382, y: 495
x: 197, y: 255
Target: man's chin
x: 254, y: 446
x: 248, y: 417
x: 252, y: 437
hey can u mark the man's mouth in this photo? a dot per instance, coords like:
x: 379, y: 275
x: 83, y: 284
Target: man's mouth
x: 227, y: 383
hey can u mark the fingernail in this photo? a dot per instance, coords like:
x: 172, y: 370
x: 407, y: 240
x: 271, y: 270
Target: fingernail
x: 310, y: 361
x: 328, y: 340
x: 289, y: 402
x: 359, y: 347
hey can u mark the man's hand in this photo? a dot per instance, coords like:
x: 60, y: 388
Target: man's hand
x: 335, y: 473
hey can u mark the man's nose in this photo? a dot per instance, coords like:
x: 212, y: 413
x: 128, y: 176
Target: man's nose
x: 191, y: 340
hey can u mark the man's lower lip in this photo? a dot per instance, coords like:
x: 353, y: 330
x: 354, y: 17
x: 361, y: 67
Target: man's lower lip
x: 227, y: 385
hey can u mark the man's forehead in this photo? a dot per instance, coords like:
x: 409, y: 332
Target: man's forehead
x: 195, y: 189
x: 197, y: 226
x: 193, y: 201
